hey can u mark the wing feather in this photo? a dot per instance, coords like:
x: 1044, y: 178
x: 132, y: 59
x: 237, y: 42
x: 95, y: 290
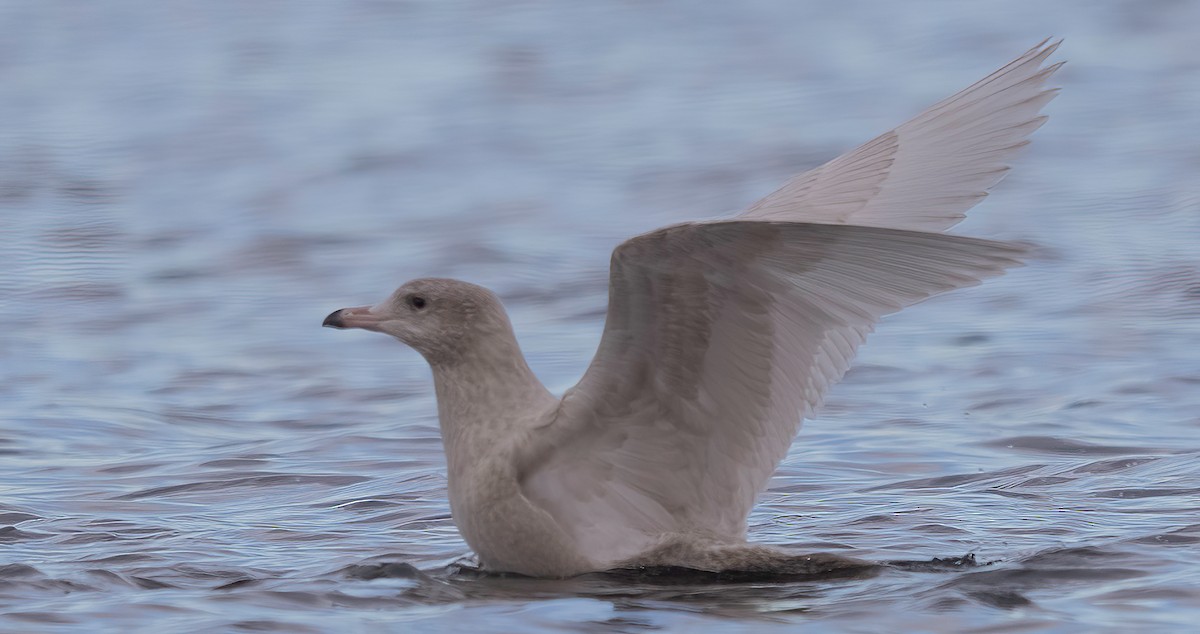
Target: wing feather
x: 720, y: 338
x: 928, y: 172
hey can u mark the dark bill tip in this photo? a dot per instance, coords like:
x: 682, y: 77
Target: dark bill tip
x: 356, y: 317
x: 334, y: 320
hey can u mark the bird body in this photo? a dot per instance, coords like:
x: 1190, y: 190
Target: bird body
x: 720, y: 338
x: 490, y: 413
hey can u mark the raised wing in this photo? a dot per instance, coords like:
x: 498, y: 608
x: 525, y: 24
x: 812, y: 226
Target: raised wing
x: 927, y: 173
x: 719, y: 338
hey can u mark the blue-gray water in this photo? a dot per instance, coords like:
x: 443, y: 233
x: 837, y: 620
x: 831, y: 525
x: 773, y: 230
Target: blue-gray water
x: 186, y: 189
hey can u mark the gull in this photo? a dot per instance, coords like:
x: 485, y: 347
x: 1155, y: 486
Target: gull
x: 720, y: 338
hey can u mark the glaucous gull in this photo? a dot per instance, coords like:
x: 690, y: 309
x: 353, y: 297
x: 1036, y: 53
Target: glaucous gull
x: 721, y: 336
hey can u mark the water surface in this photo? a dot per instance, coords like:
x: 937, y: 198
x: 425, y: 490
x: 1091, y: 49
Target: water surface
x: 187, y: 189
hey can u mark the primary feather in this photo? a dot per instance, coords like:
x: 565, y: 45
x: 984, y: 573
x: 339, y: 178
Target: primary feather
x: 928, y: 172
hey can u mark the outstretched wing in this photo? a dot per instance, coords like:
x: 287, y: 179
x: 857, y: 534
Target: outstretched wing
x: 928, y: 172
x: 719, y: 338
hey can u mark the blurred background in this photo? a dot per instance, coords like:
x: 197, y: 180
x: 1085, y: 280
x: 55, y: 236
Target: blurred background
x: 188, y: 188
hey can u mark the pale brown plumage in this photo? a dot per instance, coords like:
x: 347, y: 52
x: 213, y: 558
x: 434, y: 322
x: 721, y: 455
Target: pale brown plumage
x: 720, y: 337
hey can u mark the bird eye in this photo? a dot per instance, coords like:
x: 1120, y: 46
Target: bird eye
x: 417, y: 302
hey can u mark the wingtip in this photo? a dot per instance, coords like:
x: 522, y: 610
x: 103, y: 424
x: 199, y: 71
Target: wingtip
x: 1040, y: 52
x: 1048, y: 45
x: 1050, y: 50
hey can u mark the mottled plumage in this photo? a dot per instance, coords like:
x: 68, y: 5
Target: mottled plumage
x: 720, y: 338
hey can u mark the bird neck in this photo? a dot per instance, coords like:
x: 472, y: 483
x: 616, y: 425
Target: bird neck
x: 486, y: 395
